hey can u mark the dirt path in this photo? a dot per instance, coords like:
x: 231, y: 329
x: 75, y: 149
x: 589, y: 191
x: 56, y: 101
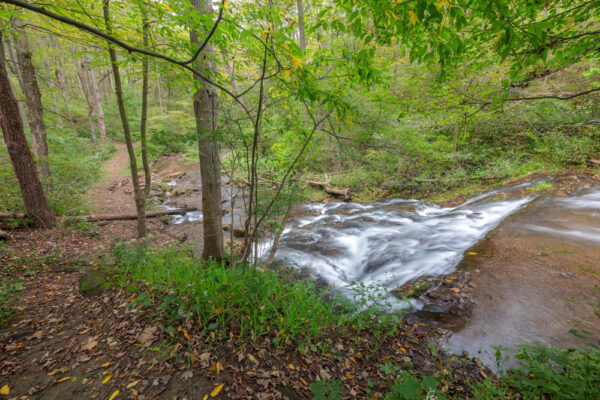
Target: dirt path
x: 114, y: 193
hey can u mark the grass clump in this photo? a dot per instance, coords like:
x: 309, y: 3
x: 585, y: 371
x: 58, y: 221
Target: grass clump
x: 248, y: 302
x: 538, y: 187
x: 547, y: 373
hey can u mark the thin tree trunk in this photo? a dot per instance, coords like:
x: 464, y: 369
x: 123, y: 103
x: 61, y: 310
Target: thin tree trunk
x: 95, y: 98
x: 15, y: 65
x: 12, y: 67
x: 147, y: 176
x: 59, y: 71
x: 206, y: 104
x: 86, y: 93
x: 33, y: 97
x: 159, y: 90
x: 59, y: 120
x: 302, y: 41
x: 21, y: 158
x: 140, y: 199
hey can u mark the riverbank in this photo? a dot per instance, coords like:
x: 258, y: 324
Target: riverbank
x: 143, y: 318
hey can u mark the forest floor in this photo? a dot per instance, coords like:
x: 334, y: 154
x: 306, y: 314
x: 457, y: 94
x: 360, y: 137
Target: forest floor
x: 64, y: 345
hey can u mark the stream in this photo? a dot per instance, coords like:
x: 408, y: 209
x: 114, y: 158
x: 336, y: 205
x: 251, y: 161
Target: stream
x: 525, y: 263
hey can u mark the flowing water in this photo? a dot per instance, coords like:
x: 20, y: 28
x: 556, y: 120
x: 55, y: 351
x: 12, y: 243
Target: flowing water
x: 532, y: 259
x: 391, y: 242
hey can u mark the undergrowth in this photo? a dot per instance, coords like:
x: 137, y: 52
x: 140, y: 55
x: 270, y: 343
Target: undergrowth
x: 248, y: 302
x: 75, y: 165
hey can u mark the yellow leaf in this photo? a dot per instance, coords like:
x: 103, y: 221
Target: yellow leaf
x: 132, y: 384
x: 53, y: 372
x: 442, y: 3
x: 413, y: 19
x: 205, y: 397
x: 185, y: 333
x: 5, y: 390
x: 216, y: 390
x: 291, y: 366
x: 286, y: 73
x: 296, y: 62
x: 107, y: 364
x: 455, y: 289
x: 218, y: 368
x: 473, y: 254
x: 66, y: 378
x: 226, y: 5
x: 115, y: 394
x: 107, y: 379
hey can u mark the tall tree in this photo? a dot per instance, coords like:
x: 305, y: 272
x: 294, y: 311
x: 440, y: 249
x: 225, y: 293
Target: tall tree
x: 12, y: 67
x: 144, y: 117
x: 206, y: 105
x: 140, y: 199
x: 94, y: 92
x: 301, y: 32
x: 21, y: 158
x: 33, y: 97
x: 59, y: 71
x: 86, y: 93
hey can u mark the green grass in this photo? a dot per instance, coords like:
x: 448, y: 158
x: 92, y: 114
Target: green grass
x: 249, y: 302
x: 75, y: 165
x: 547, y: 373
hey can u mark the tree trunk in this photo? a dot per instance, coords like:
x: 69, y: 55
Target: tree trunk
x: 302, y: 41
x: 140, y: 199
x: 206, y: 105
x: 33, y: 97
x: 147, y: 176
x: 86, y: 93
x: 12, y: 67
x: 59, y: 71
x: 94, y: 92
x: 21, y: 158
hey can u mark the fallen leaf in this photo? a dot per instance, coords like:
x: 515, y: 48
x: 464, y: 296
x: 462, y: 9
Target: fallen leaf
x: 36, y: 335
x: 205, y: 397
x: 455, y: 289
x: 66, y: 378
x: 291, y: 366
x: 90, y: 344
x: 472, y: 253
x: 218, y: 368
x: 5, y: 390
x: 216, y: 390
x: 107, y: 364
x: 115, y: 394
x: 132, y: 384
x: 107, y: 379
x: 147, y: 337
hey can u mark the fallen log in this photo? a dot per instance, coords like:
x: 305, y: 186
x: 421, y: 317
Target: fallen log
x: 127, y: 216
x: 12, y: 215
x: 470, y: 178
x: 342, y: 193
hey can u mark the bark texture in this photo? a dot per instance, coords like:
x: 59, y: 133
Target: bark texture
x: 301, y: 32
x: 140, y: 199
x: 144, y: 117
x: 206, y: 104
x: 86, y: 93
x: 94, y: 92
x: 21, y: 158
x: 33, y: 98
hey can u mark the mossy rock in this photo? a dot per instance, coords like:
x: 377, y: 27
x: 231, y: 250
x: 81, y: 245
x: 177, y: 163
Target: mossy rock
x: 413, y: 289
x: 93, y: 281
